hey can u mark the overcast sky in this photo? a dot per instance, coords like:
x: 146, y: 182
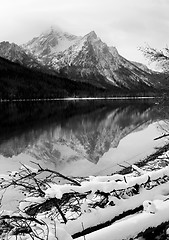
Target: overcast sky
x: 126, y: 24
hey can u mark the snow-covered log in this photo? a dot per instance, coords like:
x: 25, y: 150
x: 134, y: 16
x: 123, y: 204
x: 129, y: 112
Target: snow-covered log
x: 131, y: 227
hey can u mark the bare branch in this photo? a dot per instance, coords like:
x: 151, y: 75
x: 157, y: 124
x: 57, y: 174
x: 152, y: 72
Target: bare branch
x: 159, y: 56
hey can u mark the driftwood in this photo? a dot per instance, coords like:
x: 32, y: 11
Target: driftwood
x: 66, y: 208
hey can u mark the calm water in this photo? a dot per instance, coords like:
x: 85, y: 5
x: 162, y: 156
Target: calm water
x: 80, y: 138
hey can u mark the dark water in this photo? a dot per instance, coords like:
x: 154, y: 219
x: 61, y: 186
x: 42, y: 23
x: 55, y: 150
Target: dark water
x: 77, y: 138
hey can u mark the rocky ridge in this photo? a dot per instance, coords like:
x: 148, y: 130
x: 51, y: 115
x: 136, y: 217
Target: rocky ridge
x: 17, y: 54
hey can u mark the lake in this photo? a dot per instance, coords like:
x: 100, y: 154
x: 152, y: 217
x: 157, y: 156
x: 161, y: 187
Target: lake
x: 80, y: 138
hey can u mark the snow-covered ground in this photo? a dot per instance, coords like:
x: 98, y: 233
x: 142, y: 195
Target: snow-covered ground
x: 153, y: 196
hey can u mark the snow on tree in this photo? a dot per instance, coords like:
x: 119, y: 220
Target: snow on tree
x: 160, y: 57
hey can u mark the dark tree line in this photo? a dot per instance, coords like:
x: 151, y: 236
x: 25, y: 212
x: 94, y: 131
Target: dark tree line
x: 18, y: 82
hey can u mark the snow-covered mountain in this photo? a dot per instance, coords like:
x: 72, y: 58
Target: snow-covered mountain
x: 49, y: 43
x: 86, y: 59
x: 93, y: 60
x: 15, y: 53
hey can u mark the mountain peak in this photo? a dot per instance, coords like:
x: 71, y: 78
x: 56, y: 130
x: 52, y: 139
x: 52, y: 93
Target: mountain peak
x: 53, y: 41
x: 55, y: 28
x: 91, y: 35
x: 7, y: 43
x: 7, y: 46
x: 56, y: 32
x: 52, y: 29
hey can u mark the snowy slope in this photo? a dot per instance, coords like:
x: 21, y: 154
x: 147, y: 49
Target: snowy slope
x: 49, y: 42
x: 143, y: 67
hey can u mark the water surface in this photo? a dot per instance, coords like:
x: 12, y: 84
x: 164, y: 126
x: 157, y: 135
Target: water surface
x: 80, y: 138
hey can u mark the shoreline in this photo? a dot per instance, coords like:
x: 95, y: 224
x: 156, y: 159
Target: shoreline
x: 142, y: 162
x: 78, y: 99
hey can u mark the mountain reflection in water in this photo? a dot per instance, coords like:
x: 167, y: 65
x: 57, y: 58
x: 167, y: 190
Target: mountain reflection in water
x: 64, y: 132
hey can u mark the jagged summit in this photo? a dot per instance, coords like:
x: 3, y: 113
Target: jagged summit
x: 7, y: 44
x: 53, y: 28
x: 52, y: 41
x: 58, y: 32
x: 91, y: 35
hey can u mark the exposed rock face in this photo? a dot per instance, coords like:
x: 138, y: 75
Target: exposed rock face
x: 15, y: 53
